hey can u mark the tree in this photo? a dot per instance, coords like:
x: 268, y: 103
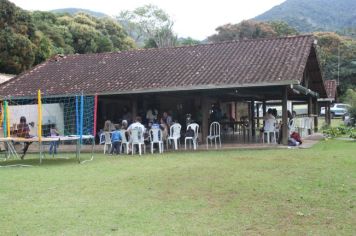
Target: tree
x: 149, y: 23
x: 350, y: 98
x: 188, y: 41
x: 17, y: 52
x: 245, y: 30
x: 29, y: 38
x: 282, y: 28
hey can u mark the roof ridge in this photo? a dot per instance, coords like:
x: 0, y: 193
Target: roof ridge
x: 135, y: 50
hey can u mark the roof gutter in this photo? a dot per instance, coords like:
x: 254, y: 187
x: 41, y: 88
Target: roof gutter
x: 301, y: 89
x: 165, y: 90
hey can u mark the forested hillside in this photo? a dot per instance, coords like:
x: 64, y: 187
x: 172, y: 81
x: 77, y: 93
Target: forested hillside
x: 315, y: 15
x: 28, y: 38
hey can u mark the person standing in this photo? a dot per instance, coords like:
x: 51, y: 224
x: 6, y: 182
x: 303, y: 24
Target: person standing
x: 116, y: 140
x: 54, y: 144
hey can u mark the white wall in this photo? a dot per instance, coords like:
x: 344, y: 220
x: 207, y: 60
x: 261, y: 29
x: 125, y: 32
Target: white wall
x: 51, y: 113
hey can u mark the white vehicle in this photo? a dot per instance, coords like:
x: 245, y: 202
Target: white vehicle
x: 336, y: 109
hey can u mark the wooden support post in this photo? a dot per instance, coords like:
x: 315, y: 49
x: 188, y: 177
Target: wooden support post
x: 315, y: 112
x: 310, y: 105
x: 258, y: 115
x: 264, y: 110
x: 285, y: 116
x: 310, y: 110
x: 205, y: 106
x: 252, y: 119
x: 327, y: 113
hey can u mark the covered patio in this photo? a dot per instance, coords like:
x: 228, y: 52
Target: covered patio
x: 239, y: 78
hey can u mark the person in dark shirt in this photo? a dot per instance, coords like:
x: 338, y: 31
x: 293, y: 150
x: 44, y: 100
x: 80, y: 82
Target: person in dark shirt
x: 23, y: 131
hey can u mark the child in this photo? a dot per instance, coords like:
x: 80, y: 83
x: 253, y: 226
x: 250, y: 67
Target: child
x: 54, y: 144
x: 116, y: 140
x: 23, y: 131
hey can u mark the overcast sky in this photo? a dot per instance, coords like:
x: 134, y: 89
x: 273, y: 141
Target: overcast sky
x: 195, y: 18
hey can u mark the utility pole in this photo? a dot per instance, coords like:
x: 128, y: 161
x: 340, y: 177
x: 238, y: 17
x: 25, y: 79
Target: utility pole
x: 338, y: 65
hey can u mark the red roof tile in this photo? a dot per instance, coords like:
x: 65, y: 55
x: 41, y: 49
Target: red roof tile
x: 229, y: 64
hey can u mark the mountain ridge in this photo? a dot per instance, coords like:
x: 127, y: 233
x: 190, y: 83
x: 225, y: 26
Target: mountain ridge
x: 73, y: 11
x: 314, y: 15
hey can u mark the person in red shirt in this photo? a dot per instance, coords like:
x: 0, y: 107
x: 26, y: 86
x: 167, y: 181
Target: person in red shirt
x: 23, y: 131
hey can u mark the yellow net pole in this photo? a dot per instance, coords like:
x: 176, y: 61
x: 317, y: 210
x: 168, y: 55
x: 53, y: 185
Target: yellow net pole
x: 8, y: 120
x: 39, y: 106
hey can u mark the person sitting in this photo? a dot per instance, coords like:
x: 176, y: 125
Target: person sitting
x: 23, y: 131
x: 267, y: 119
x: 116, y: 140
x: 109, y: 126
x: 164, y: 127
x: 167, y: 119
x: 136, y: 124
x: 54, y: 144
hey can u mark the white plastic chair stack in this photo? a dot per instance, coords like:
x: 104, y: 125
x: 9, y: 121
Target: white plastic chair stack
x: 194, y: 139
x: 291, y: 126
x: 306, y: 126
x: 107, y: 142
x: 124, y: 142
x: 269, y: 129
x: 214, y: 135
x: 174, y: 134
x: 137, y: 139
x: 156, y: 137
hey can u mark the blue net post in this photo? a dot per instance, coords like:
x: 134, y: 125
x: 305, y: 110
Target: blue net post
x: 4, y: 122
x: 81, y: 117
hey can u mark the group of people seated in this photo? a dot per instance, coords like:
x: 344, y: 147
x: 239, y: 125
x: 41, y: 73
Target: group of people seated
x: 271, y: 124
x: 163, y: 123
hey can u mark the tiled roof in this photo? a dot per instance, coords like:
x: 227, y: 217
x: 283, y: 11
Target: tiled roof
x: 331, y: 86
x: 228, y: 64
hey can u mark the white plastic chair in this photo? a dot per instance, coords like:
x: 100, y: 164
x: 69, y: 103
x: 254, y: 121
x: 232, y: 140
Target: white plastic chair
x: 174, y: 134
x: 156, y: 137
x: 137, y: 138
x: 269, y: 129
x: 214, y: 134
x: 124, y: 142
x: 107, y: 142
x: 194, y: 139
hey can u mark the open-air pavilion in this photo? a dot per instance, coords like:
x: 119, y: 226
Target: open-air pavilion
x: 186, y: 80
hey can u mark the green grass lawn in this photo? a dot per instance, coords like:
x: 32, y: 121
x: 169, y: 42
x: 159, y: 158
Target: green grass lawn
x: 235, y: 192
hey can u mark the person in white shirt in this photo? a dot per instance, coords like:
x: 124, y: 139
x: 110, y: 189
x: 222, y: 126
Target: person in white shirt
x: 137, y: 123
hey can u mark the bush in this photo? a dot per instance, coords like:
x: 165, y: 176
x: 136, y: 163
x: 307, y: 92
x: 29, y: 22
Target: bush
x: 340, y: 131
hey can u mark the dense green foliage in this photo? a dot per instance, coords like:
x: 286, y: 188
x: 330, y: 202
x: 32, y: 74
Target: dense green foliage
x: 315, y: 15
x: 28, y: 38
x: 333, y: 132
x: 337, y: 58
x: 350, y: 98
x: 251, y: 30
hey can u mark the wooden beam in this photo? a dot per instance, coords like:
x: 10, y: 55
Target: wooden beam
x: 205, y: 106
x: 316, y: 112
x: 264, y: 110
x: 285, y: 116
x: 252, y: 118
